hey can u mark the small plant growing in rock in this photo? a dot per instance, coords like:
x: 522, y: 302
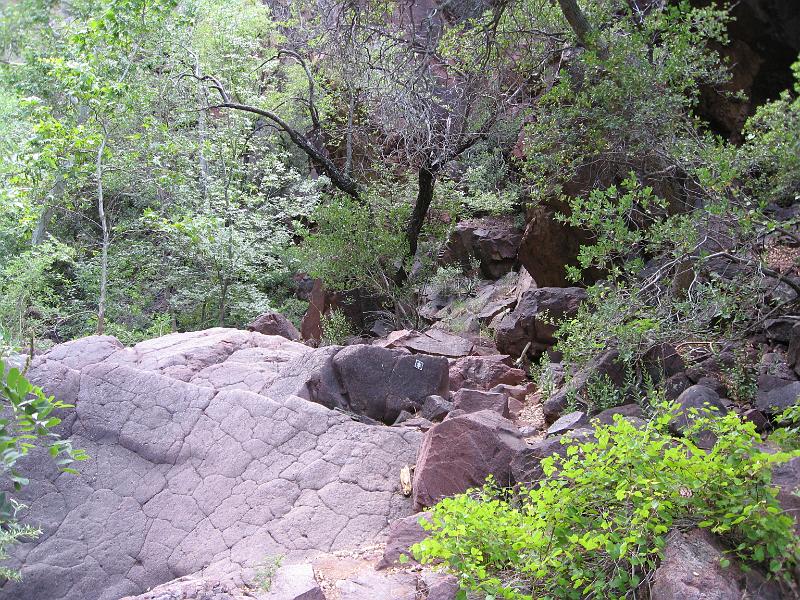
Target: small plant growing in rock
x: 741, y: 379
x: 335, y: 328
x: 788, y: 437
x: 27, y: 422
x: 602, y: 393
x: 265, y: 571
x: 542, y: 373
x: 596, y: 526
x: 450, y: 280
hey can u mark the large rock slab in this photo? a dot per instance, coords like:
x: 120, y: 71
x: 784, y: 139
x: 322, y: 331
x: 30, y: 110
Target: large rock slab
x: 461, y: 452
x: 184, y: 477
x: 433, y: 341
x: 219, y: 358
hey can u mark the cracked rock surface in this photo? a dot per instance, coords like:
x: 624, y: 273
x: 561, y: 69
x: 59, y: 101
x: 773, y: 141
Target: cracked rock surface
x: 193, y: 467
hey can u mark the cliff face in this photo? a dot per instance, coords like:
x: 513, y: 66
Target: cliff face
x: 765, y: 41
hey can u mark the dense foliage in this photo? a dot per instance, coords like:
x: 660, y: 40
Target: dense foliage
x: 596, y: 527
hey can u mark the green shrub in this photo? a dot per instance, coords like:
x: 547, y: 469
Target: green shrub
x: 788, y: 437
x: 596, y: 526
x: 450, y: 280
x: 770, y: 154
x: 28, y: 420
x: 335, y: 328
x: 355, y: 245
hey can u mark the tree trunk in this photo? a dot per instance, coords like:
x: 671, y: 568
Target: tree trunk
x: 424, y: 198
x: 223, y: 302
x: 202, y: 102
x: 577, y: 20
x: 44, y: 220
x: 101, y: 214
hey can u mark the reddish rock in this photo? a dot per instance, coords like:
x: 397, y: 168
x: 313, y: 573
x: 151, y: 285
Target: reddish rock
x: 494, y: 241
x: 274, y: 323
x: 440, y: 586
x: 476, y: 400
x: 484, y: 372
x: 461, y: 452
x: 514, y: 408
x: 311, y: 326
x: 549, y: 246
x: 691, y: 570
x: 402, y: 534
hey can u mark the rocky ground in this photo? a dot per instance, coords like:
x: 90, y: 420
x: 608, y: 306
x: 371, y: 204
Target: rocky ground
x: 215, y: 451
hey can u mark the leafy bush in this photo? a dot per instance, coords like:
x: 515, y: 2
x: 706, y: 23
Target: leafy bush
x: 770, y: 153
x: 34, y: 292
x: 669, y: 277
x: 27, y: 421
x: 355, y: 245
x: 596, y: 526
x: 450, y: 280
x: 335, y: 328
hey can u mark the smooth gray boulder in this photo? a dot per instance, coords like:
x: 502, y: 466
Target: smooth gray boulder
x: 185, y: 477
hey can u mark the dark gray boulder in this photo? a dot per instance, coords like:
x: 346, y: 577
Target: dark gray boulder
x: 435, y: 408
x: 524, y: 324
x: 695, y: 398
x: 777, y: 399
x: 379, y: 382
